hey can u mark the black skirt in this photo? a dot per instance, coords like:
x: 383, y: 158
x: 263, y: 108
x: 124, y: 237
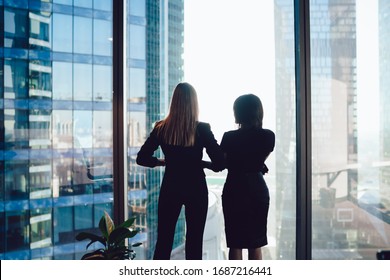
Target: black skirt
x: 245, y: 202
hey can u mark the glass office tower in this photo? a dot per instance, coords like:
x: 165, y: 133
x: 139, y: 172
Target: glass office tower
x: 154, y: 67
x: 349, y: 205
x: 56, y: 125
x: 349, y: 127
x: 56, y: 155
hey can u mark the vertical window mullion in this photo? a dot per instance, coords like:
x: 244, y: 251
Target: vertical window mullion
x: 303, y: 123
x: 119, y: 151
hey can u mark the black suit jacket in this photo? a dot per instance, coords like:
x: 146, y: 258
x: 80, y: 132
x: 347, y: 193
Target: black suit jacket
x: 184, y: 162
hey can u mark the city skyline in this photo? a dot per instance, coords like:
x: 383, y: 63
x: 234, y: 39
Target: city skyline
x: 57, y: 111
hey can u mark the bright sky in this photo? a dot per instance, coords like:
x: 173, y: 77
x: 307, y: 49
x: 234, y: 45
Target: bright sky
x: 222, y: 57
x: 229, y: 51
x: 367, y: 65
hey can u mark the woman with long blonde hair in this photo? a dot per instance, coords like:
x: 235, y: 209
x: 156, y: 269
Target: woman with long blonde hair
x: 182, y: 139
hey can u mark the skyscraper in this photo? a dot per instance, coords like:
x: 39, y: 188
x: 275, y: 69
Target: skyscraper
x: 162, y: 67
x: 333, y: 112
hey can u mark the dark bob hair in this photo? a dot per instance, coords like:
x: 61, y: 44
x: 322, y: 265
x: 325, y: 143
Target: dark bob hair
x: 248, y: 111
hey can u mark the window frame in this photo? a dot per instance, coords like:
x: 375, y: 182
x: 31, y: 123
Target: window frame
x: 303, y: 123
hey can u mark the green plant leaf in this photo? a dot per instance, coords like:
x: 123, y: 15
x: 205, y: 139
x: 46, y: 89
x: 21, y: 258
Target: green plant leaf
x: 119, y: 235
x: 102, y: 227
x: 128, y: 223
x: 113, y: 239
x: 87, y: 235
x: 109, y: 223
x: 93, y: 237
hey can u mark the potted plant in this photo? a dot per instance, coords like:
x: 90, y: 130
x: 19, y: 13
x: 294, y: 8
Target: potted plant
x: 113, y: 239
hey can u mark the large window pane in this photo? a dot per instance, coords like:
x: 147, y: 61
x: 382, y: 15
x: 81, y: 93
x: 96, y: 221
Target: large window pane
x: 62, y: 80
x: 350, y: 189
x: 83, y: 35
x: 53, y: 137
x: 15, y: 78
x: 102, y: 37
x: 137, y: 8
x: 82, y: 81
x: 255, y: 54
x: 249, y: 49
x: 15, y: 28
x: 63, y: 221
x: 62, y: 33
x: 102, y: 87
x: 83, y: 3
x: 137, y: 42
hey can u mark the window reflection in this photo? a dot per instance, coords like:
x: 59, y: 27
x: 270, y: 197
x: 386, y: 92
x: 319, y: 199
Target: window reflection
x: 102, y: 87
x: 83, y: 217
x: 15, y: 129
x: 82, y: 35
x: 82, y: 82
x: 40, y: 224
x: 104, y: 5
x: 64, y: 2
x: 62, y: 33
x: 17, y: 234
x: 39, y: 31
x: 62, y: 81
x: 137, y: 85
x: 16, y: 28
x: 102, y: 37
x: 84, y: 3
x: 16, y: 179
x: 56, y: 72
x: 40, y: 74
x: 137, y: 42
x: 63, y: 225
x: 53, y: 133
x: 137, y: 8
x: 15, y: 78
x: 350, y: 205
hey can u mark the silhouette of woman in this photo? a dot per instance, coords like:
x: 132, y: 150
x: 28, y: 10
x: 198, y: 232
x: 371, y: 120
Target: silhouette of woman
x: 182, y: 139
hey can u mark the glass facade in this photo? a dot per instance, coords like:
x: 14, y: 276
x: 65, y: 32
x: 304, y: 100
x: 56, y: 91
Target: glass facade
x: 154, y: 63
x: 56, y: 64
x: 56, y: 118
x: 349, y: 127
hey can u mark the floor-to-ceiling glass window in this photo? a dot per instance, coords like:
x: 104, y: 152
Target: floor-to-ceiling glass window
x: 154, y: 65
x: 350, y: 128
x: 56, y: 116
x: 249, y: 49
x: 56, y: 141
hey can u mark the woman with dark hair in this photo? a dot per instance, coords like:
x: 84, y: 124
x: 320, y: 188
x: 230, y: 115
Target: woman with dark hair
x: 245, y: 197
x: 182, y: 139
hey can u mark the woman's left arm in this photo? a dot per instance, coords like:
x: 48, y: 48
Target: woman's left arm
x: 213, y: 150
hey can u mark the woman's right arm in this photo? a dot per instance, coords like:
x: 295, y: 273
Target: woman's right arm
x: 145, y: 155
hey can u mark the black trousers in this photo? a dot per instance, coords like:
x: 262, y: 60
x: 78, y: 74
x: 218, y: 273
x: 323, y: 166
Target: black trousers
x: 172, y: 198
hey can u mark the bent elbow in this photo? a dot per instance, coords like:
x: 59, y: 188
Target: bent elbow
x: 139, y: 160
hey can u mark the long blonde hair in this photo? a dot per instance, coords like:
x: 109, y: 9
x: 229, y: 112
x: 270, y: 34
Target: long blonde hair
x: 179, y: 127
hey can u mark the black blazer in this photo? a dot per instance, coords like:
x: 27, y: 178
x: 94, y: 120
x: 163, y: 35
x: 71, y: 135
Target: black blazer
x: 247, y: 149
x: 183, y: 161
